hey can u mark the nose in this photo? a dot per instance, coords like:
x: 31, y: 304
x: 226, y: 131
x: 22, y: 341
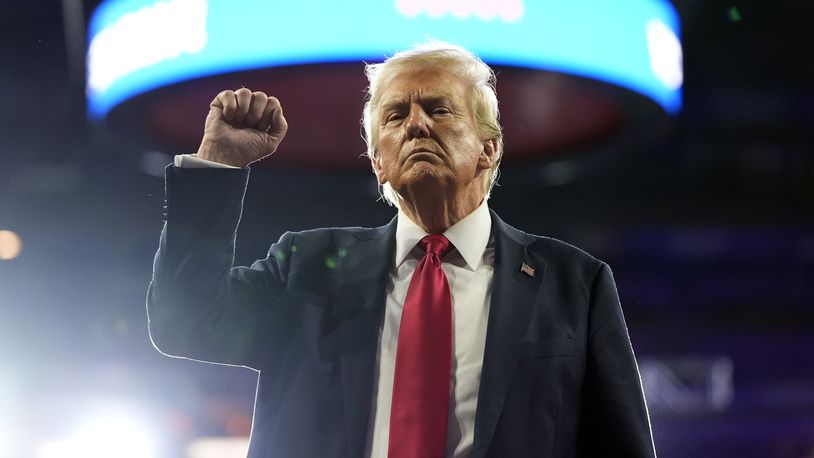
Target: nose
x: 418, y: 122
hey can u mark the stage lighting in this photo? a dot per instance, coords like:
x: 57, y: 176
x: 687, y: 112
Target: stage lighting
x: 137, y: 46
x: 10, y: 245
x: 105, y: 435
x: 573, y: 75
x: 7, y: 409
x: 218, y: 447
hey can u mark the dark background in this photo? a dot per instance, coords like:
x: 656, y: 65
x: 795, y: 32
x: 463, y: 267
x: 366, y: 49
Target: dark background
x: 708, y: 231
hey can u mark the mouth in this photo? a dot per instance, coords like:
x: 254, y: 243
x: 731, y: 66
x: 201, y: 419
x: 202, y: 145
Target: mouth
x: 421, y: 154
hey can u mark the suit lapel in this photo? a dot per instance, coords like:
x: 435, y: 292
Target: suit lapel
x: 514, y: 295
x: 361, y: 297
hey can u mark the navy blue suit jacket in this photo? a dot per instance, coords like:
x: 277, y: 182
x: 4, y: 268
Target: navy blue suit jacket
x: 559, y: 376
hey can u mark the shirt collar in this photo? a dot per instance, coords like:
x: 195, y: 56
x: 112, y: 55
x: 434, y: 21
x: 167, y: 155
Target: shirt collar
x: 469, y: 236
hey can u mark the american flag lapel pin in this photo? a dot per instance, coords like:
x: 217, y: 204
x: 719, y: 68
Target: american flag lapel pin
x: 527, y: 269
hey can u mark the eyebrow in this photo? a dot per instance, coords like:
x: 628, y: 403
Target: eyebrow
x: 401, y: 101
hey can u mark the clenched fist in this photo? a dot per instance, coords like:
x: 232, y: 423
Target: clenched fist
x: 242, y: 127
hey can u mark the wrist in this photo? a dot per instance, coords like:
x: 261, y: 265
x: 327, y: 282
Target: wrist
x: 209, y: 152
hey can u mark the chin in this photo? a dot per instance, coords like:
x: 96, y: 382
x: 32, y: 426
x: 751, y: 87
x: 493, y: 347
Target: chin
x: 424, y: 176
x: 421, y: 171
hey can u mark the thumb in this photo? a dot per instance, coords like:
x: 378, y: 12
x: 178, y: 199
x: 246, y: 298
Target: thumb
x: 277, y: 125
x: 215, y: 110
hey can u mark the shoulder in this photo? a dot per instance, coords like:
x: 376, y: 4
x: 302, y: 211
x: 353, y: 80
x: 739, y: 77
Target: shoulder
x: 568, y: 268
x: 338, y: 235
x: 547, y: 248
x: 555, y: 249
x: 318, y: 260
x: 329, y: 241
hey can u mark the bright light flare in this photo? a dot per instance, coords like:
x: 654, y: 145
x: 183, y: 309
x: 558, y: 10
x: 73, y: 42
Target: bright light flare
x: 112, y: 434
x: 10, y: 245
x: 666, y: 56
x: 176, y: 27
x: 218, y: 447
x: 9, y: 407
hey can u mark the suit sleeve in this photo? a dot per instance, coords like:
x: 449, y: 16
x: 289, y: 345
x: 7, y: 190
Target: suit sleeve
x: 199, y: 306
x: 614, y: 420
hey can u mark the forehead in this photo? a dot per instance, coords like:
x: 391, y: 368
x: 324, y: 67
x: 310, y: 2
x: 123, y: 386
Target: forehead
x: 425, y: 82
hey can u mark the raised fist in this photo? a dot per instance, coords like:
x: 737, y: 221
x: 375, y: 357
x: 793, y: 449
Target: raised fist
x: 242, y: 127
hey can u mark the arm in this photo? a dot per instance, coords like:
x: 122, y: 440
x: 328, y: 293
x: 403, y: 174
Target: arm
x: 198, y: 305
x: 614, y: 420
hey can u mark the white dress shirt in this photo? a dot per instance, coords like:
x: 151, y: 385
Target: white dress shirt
x: 191, y: 161
x: 469, y: 268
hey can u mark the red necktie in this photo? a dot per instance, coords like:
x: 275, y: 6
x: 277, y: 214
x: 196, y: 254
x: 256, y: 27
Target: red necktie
x: 418, y: 414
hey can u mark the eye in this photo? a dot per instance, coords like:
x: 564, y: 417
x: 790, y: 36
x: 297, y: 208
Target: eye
x: 441, y: 111
x: 395, y: 116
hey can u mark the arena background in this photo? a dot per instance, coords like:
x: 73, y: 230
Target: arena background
x: 708, y: 229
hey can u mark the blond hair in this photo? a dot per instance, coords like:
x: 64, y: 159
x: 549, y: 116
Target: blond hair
x: 460, y: 62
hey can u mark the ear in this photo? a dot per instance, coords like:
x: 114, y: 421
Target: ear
x: 488, y: 156
x: 376, y: 163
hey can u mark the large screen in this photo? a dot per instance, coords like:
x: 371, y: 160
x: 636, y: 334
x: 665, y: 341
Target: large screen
x: 139, y: 45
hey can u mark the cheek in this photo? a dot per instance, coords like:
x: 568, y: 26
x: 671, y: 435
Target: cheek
x: 469, y: 146
x: 387, y: 149
x: 389, y: 137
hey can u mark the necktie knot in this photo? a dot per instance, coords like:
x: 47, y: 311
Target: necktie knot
x: 436, y: 244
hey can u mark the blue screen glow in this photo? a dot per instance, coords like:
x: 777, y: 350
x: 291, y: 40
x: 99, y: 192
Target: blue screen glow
x: 139, y: 45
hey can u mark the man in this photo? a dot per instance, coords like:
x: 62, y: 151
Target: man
x: 444, y: 333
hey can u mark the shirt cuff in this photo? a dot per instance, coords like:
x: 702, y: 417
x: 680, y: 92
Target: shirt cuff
x: 192, y: 161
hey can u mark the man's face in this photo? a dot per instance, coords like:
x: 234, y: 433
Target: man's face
x: 427, y: 135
